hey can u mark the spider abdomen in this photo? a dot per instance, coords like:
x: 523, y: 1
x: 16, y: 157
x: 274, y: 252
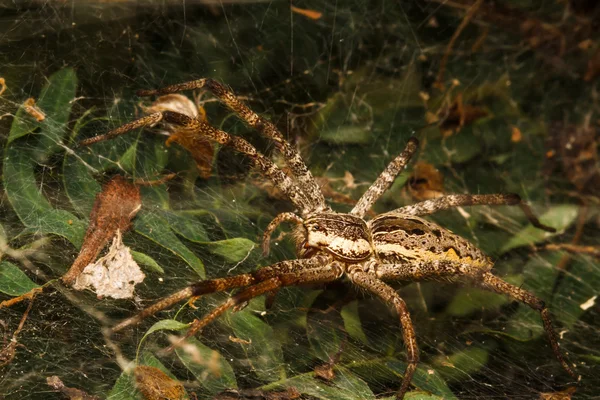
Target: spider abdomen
x: 402, y: 238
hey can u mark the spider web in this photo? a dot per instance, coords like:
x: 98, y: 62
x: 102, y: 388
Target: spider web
x: 349, y: 87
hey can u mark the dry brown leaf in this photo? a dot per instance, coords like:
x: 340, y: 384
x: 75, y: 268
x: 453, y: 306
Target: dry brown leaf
x: 562, y: 395
x: 200, y: 148
x: 115, y: 206
x: 154, y: 384
x: 426, y: 182
x: 458, y: 115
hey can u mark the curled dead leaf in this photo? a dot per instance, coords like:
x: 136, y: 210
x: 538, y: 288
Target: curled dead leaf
x: 200, y: 148
x: 114, y: 208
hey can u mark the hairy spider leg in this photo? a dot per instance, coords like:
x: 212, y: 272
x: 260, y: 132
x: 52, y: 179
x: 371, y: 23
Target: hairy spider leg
x: 283, y: 217
x: 148, y: 120
x: 493, y: 283
x: 293, y: 159
x: 456, y: 200
x: 321, y: 274
x: 386, y: 178
x: 454, y: 271
x: 389, y: 296
x: 222, y: 284
x: 267, y: 167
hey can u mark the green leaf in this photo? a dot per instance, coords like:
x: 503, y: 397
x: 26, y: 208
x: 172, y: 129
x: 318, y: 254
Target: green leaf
x: 233, y: 250
x: 23, y: 124
x: 345, y: 386
x: 347, y: 135
x: 352, y: 322
x: 559, y: 217
x: 146, y: 260
x: 459, y: 366
x: 165, y: 324
x: 264, y: 350
x: 209, y: 367
x: 469, y: 300
x: 80, y: 185
x: 326, y: 334
x: 124, y: 388
x: 30, y: 204
x: 56, y: 102
x: 13, y: 281
x: 425, y: 378
x: 157, y: 229
x: 187, y: 226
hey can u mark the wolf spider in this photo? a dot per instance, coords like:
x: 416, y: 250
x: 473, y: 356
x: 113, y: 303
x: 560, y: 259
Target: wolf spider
x: 395, y: 246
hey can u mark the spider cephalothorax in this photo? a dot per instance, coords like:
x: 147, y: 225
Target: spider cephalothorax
x: 395, y: 246
x: 342, y: 235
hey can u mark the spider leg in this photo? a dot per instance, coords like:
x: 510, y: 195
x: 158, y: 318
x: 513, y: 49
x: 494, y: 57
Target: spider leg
x: 148, y: 120
x: 456, y: 200
x: 494, y: 284
x: 283, y: 217
x: 268, y: 168
x: 389, y: 295
x: 386, y: 178
x: 299, y: 169
x: 222, y: 284
x: 321, y: 274
x: 451, y: 271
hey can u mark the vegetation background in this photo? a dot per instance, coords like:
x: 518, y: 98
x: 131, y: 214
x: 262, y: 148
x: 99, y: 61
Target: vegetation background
x: 502, y: 95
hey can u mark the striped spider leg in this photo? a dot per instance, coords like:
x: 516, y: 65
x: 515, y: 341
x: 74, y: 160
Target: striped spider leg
x: 398, y: 245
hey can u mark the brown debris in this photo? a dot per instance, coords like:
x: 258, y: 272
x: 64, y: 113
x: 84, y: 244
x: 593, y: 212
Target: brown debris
x: 538, y: 33
x: 238, y: 340
x: 154, y: 384
x: 576, y: 149
x: 199, y: 147
x: 426, y: 182
x: 114, y: 208
x: 3, y: 86
x: 516, y: 135
x: 27, y: 296
x: 70, y: 393
x: 33, y: 110
x: 311, y: 14
x: 593, y: 251
x: 325, y: 372
x: 256, y: 394
x: 9, y: 349
x: 562, y: 395
x: 593, y: 67
x: 471, y: 11
x: 453, y: 118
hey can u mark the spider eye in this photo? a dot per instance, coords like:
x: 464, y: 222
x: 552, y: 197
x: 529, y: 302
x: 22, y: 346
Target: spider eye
x: 316, y: 228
